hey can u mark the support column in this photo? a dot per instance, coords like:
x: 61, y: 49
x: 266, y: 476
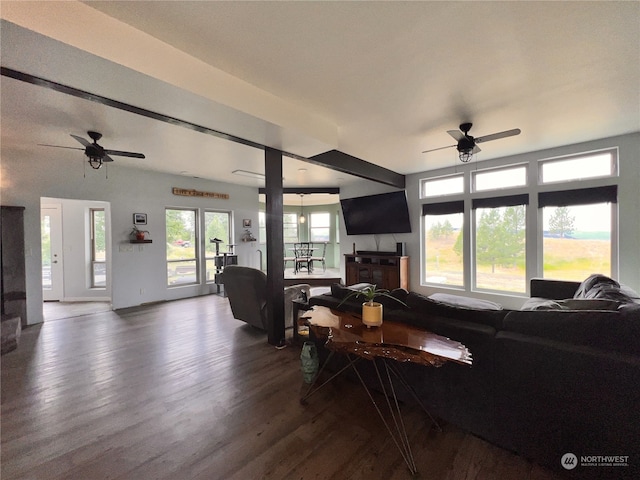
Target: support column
x: 275, y: 246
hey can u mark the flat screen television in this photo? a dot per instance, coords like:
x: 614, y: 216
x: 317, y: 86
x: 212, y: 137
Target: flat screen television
x: 376, y: 214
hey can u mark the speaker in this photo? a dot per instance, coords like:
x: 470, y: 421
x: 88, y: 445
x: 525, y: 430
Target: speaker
x: 401, y: 249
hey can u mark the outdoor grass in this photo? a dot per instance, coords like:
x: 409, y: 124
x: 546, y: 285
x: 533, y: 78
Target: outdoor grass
x: 564, y: 259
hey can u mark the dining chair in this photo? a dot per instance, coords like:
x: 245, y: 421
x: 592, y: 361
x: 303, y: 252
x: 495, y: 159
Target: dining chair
x: 320, y: 257
x: 289, y: 259
x: 302, y: 251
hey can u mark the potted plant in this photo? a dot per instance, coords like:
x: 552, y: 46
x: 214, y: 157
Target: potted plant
x: 371, y: 310
x: 137, y: 233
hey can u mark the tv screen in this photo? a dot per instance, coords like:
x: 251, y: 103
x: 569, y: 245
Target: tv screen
x: 376, y: 214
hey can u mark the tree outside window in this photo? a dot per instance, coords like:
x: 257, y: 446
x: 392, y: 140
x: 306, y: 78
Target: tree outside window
x: 500, y: 248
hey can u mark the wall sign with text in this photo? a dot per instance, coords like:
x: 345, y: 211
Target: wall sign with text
x: 185, y: 192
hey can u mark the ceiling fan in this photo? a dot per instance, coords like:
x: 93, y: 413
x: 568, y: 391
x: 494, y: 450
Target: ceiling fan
x: 467, y: 145
x: 96, y: 153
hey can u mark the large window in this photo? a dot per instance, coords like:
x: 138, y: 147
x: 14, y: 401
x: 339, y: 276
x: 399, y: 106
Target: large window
x: 182, y: 254
x: 443, y: 236
x: 496, y: 243
x: 217, y: 237
x: 577, y: 232
x: 290, y: 227
x: 500, y: 248
x: 98, y: 248
x: 319, y: 226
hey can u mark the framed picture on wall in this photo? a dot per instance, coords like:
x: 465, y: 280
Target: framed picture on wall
x: 246, y: 223
x: 139, y: 218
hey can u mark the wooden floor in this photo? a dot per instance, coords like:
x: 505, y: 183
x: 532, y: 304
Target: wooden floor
x: 181, y: 390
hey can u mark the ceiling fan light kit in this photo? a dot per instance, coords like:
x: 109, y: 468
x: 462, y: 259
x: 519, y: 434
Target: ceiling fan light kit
x: 467, y: 145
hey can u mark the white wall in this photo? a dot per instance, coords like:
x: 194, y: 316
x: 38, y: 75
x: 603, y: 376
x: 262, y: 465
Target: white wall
x: 138, y: 276
x: 628, y: 208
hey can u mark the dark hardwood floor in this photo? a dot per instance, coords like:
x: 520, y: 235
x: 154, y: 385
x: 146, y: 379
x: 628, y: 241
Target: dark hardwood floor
x: 181, y: 390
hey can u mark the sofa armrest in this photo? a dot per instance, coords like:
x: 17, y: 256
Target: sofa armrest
x: 553, y: 289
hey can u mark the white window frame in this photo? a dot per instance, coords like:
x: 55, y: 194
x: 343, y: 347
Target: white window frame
x: 534, y: 221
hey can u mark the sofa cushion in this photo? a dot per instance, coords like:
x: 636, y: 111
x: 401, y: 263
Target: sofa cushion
x: 400, y: 302
x: 537, y: 303
x: 468, y: 302
x: 606, y: 330
x: 422, y: 305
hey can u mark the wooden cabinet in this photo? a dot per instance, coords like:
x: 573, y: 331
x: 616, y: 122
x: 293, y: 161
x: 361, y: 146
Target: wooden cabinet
x: 12, y: 265
x: 385, y: 271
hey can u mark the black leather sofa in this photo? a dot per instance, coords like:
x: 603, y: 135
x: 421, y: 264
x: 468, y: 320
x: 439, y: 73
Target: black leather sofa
x: 562, y: 378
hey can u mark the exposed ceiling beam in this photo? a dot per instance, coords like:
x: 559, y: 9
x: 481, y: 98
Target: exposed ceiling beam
x: 305, y: 190
x: 345, y: 163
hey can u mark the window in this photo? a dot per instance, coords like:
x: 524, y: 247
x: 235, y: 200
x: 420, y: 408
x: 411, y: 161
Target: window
x: 500, y: 178
x: 500, y: 247
x: 262, y: 227
x: 98, y: 248
x: 182, y: 256
x: 443, y: 234
x: 217, y: 225
x: 581, y: 167
x: 290, y: 227
x: 319, y: 225
x: 438, y: 187
x: 501, y: 243
x: 577, y: 232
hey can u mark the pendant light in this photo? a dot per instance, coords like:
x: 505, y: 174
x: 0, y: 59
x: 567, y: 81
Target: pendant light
x: 301, y: 218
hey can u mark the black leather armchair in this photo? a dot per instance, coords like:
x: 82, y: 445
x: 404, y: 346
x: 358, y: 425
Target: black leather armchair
x: 246, y: 289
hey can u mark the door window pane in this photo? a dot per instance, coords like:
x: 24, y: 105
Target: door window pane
x: 45, y: 229
x: 443, y: 249
x: 500, y: 249
x: 217, y: 227
x: 98, y: 248
x: 182, y: 261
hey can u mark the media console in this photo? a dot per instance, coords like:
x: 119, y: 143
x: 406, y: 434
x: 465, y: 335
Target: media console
x: 384, y: 270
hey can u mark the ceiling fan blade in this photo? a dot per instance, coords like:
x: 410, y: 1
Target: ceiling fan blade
x: 441, y: 148
x: 476, y: 149
x: 457, y: 134
x: 59, y: 146
x: 107, y: 158
x: 124, y: 154
x: 81, y: 140
x: 496, y: 136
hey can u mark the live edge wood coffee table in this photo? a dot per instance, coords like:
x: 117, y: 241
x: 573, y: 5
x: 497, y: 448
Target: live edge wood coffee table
x: 384, y: 346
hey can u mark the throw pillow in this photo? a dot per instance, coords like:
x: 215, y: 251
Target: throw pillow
x: 341, y: 291
x: 592, y: 281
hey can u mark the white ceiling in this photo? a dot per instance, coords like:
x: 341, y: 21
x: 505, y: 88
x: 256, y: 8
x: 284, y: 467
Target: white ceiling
x: 381, y: 81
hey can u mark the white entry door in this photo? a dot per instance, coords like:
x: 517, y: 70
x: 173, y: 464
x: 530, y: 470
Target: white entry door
x: 52, y: 266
